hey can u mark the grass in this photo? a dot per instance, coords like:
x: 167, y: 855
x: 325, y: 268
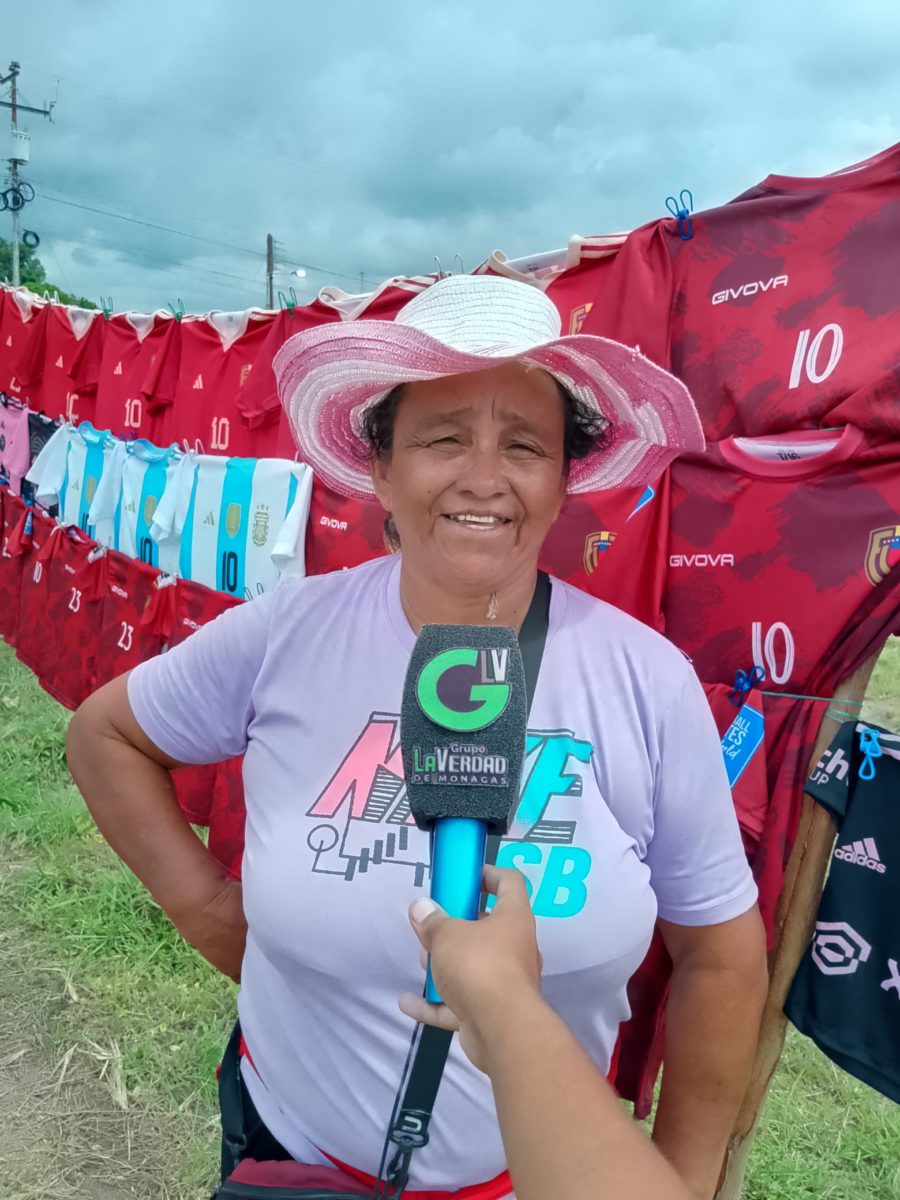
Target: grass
x: 140, y: 986
x: 822, y: 1134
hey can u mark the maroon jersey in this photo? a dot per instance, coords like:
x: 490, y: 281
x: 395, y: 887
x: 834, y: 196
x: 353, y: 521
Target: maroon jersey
x: 135, y: 618
x: 34, y: 635
x: 613, y: 545
x: 782, y: 307
x: 641, y: 1038
x: 12, y: 515
x: 228, y: 816
x: 341, y: 532
x: 775, y: 543
x: 570, y: 277
x: 195, y: 606
x: 75, y: 574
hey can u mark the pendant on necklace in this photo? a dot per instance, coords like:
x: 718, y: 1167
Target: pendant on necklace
x: 492, y: 607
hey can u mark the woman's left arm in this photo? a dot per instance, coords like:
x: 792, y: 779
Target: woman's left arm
x: 713, y: 931
x: 718, y: 988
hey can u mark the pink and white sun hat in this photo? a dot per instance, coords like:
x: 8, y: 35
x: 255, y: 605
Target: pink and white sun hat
x: 329, y: 375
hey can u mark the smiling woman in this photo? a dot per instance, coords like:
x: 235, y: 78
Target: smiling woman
x: 447, y: 431
x: 469, y: 417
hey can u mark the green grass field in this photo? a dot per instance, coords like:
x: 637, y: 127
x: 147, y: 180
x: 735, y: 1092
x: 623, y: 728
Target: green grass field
x: 73, y: 912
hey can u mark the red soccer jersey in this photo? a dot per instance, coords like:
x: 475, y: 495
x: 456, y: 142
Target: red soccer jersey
x: 257, y: 399
x: 782, y: 305
x: 613, y: 545
x: 195, y: 606
x: 570, y: 277
x: 19, y: 311
x: 45, y: 362
x: 117, y: 375
x: 341, y: 532
x: 12, y: 514
x: 130, y: 628
x: 34, y: 633
x: 75, y: 572
x: 775, y: 545
x: 382, y: 304
x: 217, y: 354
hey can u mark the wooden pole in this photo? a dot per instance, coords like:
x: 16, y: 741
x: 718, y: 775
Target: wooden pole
x: 794, y: 922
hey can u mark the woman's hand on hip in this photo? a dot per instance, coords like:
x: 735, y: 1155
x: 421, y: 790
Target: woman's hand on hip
x: 217, y: 928
x: 482, y: 969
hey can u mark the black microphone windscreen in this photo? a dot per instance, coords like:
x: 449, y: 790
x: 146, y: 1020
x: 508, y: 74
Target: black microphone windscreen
x: 463, y: 725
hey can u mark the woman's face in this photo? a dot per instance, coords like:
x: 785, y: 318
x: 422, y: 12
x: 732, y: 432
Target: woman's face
x: 476, y: 475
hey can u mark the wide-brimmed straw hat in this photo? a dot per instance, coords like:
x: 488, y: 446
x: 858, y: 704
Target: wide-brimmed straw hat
x: 328, y: 375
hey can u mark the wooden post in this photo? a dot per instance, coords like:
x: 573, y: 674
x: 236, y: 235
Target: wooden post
x: 797, y: 908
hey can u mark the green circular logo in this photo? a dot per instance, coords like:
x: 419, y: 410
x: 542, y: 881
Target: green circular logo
x: 463, y: 690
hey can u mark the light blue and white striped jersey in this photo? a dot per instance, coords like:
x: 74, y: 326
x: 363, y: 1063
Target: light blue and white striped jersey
x: 69, y: 470
x: 129, y: 493
x: 236, y: 524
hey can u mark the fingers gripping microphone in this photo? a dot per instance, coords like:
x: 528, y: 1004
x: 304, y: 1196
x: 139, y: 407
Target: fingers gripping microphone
x: 462, y: 735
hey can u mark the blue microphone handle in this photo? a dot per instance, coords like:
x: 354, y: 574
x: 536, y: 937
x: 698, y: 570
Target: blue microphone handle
x: 457, y: 865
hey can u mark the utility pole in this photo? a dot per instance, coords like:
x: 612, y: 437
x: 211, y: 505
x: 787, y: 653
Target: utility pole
x: 19, y: 154
x: 270, y: 271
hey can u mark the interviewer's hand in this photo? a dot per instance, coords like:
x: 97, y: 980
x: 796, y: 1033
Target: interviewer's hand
x: 481, y: 968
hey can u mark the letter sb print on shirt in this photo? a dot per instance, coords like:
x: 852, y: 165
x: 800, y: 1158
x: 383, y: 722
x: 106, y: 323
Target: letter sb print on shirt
x: 365, y: 821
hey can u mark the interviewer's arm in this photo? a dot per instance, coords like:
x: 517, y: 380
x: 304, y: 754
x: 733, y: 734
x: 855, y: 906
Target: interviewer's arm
x: 126, y: 784
x: 564, y: 1130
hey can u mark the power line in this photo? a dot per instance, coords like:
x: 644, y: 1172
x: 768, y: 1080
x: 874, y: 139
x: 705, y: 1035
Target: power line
x: 142, y: 256
x: 105, y: 212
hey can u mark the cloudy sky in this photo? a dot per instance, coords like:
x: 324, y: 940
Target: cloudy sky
x: 369, y: 137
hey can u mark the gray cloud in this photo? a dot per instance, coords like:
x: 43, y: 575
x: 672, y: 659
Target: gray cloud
x: 370, y: 138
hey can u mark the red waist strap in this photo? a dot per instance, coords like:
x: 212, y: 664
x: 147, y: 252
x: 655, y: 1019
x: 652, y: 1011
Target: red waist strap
x: 494, y: 1189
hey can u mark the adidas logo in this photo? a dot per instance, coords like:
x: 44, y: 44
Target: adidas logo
x: 198, y: 384
x: 118, y: 370
x: 59, y: 361
x: 861, y: 854
x: 209, y: 519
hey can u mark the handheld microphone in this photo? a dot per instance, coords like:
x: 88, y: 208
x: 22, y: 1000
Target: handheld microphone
x: 462, y: 736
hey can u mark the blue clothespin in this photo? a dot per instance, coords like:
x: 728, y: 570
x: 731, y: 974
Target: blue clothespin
x: 681, y: 210
x: 106, y: 303
x: 870, y: 745
x: 744, y: 684
x: 178, y: 312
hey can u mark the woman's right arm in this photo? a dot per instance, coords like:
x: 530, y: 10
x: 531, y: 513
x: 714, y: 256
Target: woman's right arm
x: 125, y: 781
x: 191, y: 705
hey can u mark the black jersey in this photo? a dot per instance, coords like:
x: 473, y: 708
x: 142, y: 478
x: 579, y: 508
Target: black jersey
x: 40, y: 430
x: 846, y: 994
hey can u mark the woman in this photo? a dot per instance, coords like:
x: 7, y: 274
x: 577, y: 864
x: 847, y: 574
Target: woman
x: 469, y: 417
x: 564, y: 1131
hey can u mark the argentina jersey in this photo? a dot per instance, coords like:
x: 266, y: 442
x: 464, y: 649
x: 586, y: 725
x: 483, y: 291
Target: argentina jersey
x: 145, y: 472
x: 239, y: 524
x: 69, y: 469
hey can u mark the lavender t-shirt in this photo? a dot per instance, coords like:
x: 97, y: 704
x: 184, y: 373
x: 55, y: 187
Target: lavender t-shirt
x: 625, y: 812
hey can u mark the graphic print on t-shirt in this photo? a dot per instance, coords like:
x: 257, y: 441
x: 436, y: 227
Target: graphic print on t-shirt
x: 366, y: 821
